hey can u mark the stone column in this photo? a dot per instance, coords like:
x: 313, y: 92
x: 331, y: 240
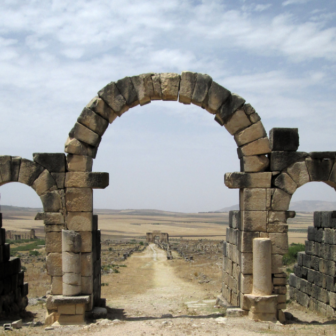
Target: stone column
x: 262, y: 266
x: 71, y: 262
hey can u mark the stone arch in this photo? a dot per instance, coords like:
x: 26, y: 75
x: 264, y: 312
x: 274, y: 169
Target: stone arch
x: 230, y: 110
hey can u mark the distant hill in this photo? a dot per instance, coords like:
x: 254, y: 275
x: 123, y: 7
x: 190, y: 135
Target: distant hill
x: 299, y: 206
x: 10, y: 208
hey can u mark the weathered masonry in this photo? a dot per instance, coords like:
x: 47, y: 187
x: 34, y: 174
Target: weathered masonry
x: 271, y: 171
x: 157, y: 236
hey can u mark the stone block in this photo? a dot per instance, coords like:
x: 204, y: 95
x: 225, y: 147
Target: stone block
x: 277, y: 228
x: 277, y: 216
x: 111, y: 95
x: 86, y: 241
x: 53, y: 162
x: 292, y: 280
x: 54, y: 227
x: 329, y: 236
x: 85, y: 135
x: 100, y: 107
x: 252, y: 199
x: 79, y: 163
x: 74, y: 146
x: 279, y: 243
x: 67, y: 309
x: 170, y: 83
x: 79, y: 221
x: 86, y: 264
x: 319, y: 170
x: 327, y: 267
x: 51, y: 201
x: 306, y: 260
x: 187, y: 85
x: 87, y: 285
x: 44, y: 183
x: 306, y: 287
x: 282, y: 159
x: 284, y: 139
x: 249, y: 134
x: 53, y: 241
x: 201, y: 89
x: 293, y: 293
x: 70, y: 290
x: 280, y: 200
x: 233, y: 103
x: 237, y: 123
x: 127, y: 90
x: 5, y: 169
x: 310, y: 247
x: 300, y: 256
x: 253, y: 164
x: 246, y: 240
x: 143, y: 86
x: 254, y: 118
x: 246, y: 283
x: 53, y: 218
x: 71, y: 241
x: 277, y: 265
x: 79, y: 199
x: 320, y: 294
x: 73, y: 279
x: 285, y: 182
x: 57, y: 284
x: 29, y: 172
x: 332, y: 299
x: 257, y: 147
x: 302, y: 299
x: 253, y: 221
x: 318, y: 279
x: 86, y: 180
x: 216, y: 97
x: 234, y: 219
x: 54, y: 264
x: 71, y: 262
x: 157, y: 93
x: 299, y: 173
x: 248, y: 180
x: 16, y: 163
x: 246, y: 263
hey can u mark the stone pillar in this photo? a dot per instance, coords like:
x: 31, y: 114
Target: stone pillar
x: 71, y: 262
x: 262, y: 266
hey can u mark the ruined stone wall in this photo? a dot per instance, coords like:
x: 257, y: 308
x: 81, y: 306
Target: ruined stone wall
x: 17, y: 235
x: 313, y: 283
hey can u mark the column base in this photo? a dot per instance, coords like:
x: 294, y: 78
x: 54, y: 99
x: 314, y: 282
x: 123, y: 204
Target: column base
x: 263, y: 308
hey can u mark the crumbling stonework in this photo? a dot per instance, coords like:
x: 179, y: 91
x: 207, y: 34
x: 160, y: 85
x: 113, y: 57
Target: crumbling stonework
x: 157, y: 236
x: 17, y: 235
x: 271, y: 170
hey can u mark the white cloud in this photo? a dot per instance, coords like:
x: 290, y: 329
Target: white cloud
x: 295, y: 2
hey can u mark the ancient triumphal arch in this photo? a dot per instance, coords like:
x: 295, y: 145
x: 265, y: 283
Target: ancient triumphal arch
x: 271, y: 170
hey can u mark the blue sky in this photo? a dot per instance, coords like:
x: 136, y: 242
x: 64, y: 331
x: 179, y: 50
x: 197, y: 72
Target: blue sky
x: 55, y: 55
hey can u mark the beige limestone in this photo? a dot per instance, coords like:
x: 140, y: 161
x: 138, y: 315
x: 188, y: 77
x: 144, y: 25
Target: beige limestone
x: 86, y: 264
x: 79, y: 199
x: 248, y: 180
x: 29, y: 172
x: 54, y: 264
x: 279, y: 282
x: 71, y: 262
x: 252, y: 199
x: 86, y: 241
x: 80, y: 308
x: 279, y: 243
x: 79, y: 221
x: 299, y: 173
x: 253, y: 221
x: 74, y: 279
x: 93, y: 121
x: 237, y: 122
x: 51, y: 201
x: 280, y: 200
x: 277, y: 216
x: 216, y: 97
x: 262, y: 267
x: 51, y: 318
x: 74, y: 146
x: 86, y: 180
x: 187, y: 85
x: 277, y: 227
x: 254, y: 118
x: 44, y: 183
x: 246, y: 283
x: 98, y: 105
x: 56, y: 284
x: 143, y: 86
x: 71, y: 319
x: 16, y: 163
x: 263, y: 308
x: 71, y: 241
x: 255, y: 163
x: 54, y: 227
x: 111, y: 95
x: 170, y: 83
x: 257, y: 147
x: 246, y: 263
x: 285, y: 182
x: 79, y: 163
x: 157, y: 94
x: 249, y: 134
x: 269, y: 195
x: 201, y: 89
x: 84, y: 134
x: 5, y: 169
x: 277, y: 265
x: 53, y: 241
x: 53, y: 218
x: 87, y: 285
x: 67, y: 309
